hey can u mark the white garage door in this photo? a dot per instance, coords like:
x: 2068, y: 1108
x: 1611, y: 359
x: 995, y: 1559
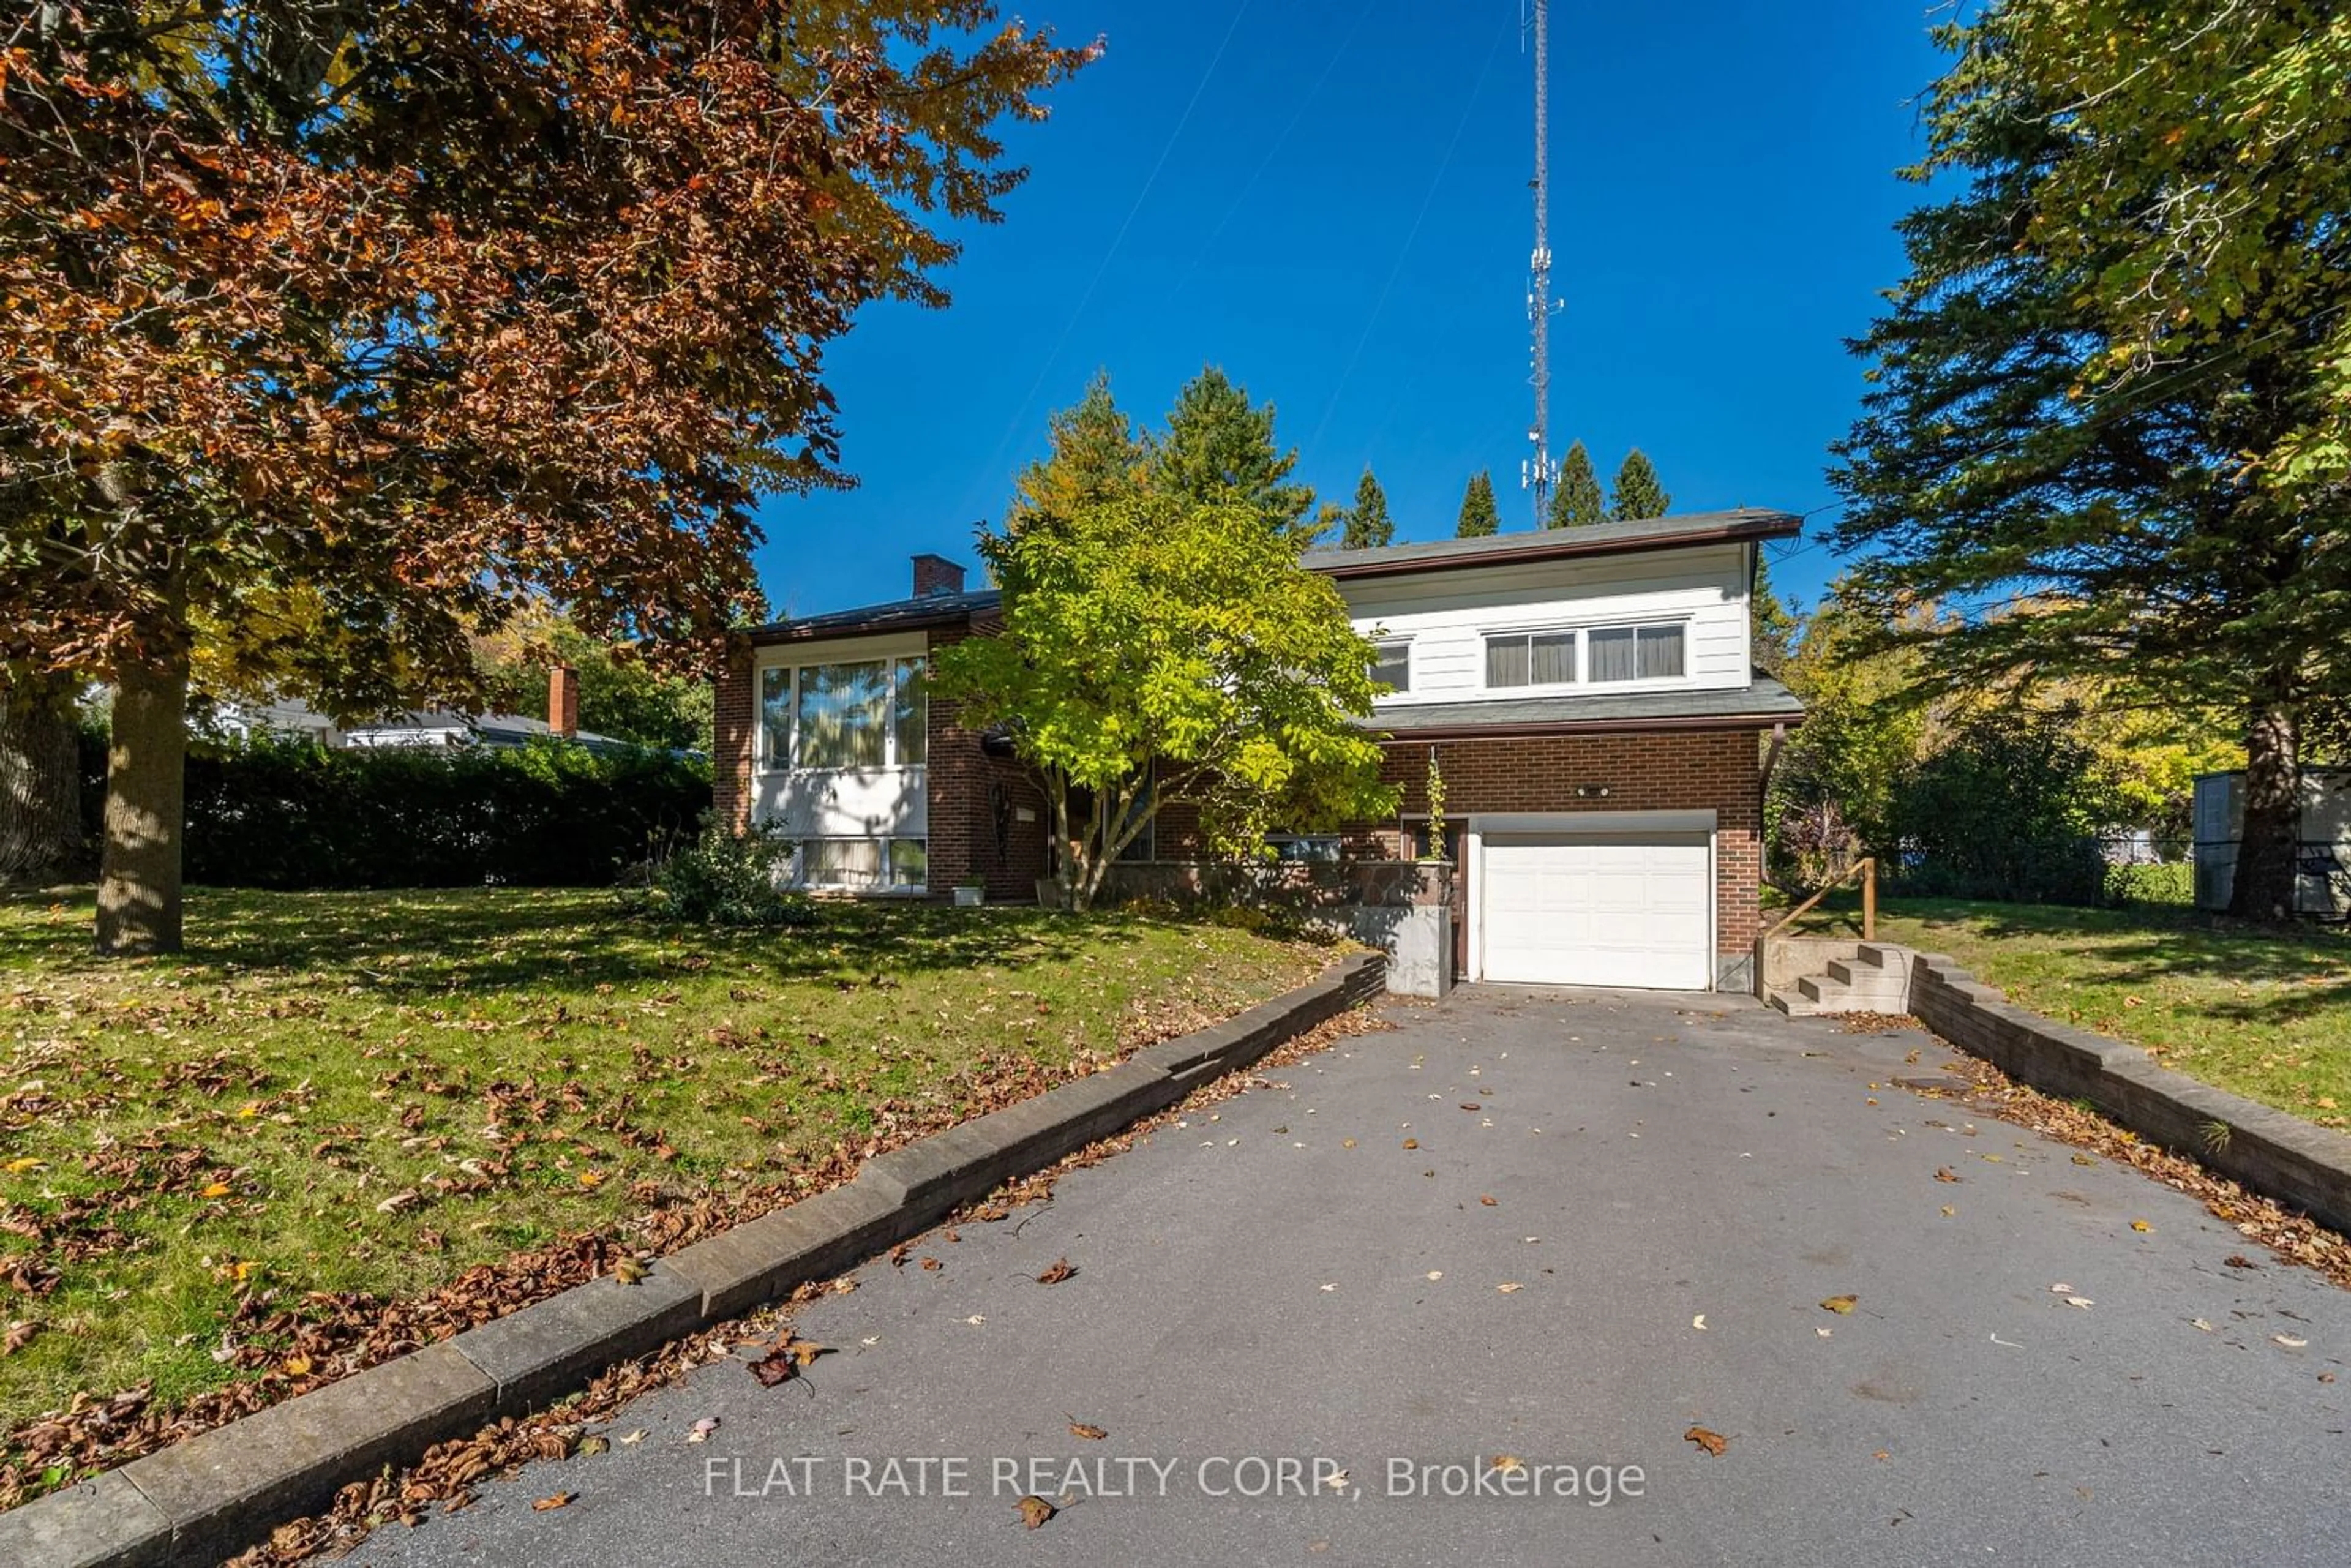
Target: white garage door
x: 1590, y: 909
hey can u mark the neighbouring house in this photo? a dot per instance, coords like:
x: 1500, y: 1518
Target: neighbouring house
x: 2321, y: 885
x: 1588, y: 695
x: 290, y: 718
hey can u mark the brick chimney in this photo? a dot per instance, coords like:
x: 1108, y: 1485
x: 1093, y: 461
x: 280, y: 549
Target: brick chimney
x: 563, y: 701
x: 935, y: 574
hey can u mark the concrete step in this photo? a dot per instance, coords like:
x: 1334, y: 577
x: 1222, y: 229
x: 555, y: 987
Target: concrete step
x: 1834, y: 994
x: 1860, y: 979
x: 1823, y: 988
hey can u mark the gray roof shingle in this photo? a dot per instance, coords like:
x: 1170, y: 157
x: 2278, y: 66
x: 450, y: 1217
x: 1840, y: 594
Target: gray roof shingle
x: 898, y: 615
x: 1765, y: 701
x: 1596, y: 538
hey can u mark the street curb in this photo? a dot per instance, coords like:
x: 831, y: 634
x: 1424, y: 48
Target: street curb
x: 2270, y: 1151
x: 219, y: 1491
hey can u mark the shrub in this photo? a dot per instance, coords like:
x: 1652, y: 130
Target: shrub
x: 722, y: 878
x: 2172, y: 884
x: 288, y: 814
x: 2004, y: 810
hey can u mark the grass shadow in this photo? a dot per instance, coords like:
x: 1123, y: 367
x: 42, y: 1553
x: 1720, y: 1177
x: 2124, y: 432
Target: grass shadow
x: 2235, y: 971
x: 559, y: 940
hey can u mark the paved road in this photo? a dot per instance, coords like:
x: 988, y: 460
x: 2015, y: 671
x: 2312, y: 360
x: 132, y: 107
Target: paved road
x: 1251, y: 1290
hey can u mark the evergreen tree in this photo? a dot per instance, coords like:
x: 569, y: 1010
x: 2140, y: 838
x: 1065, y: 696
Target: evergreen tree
x: 1577, y: 500
x: 1776, y: 627
x: 1479, y: 518
x: 1218, y: 449
x: 1098, y: 455
x: 1330, y: 522
x: 1368, y: 525
x: 2116, y: 383
x: 1638, y: 493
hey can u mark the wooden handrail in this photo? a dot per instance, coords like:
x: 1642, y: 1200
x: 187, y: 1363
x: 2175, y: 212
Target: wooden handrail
x: 1867, y: 867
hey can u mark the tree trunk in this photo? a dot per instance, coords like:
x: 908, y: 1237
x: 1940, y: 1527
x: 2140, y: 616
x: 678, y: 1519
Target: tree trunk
x: 1057, y: 791
x: 2267, y: 850
x: 146, y: 758
x: 40, y: 781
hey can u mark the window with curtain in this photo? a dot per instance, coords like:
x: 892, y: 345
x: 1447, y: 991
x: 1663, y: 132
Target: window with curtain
x: 775, y: 718
x: 1635, y: 653
x: 911, y: 716
x: 863, y: 865
x: 867, y: 714
x: 1530, y: 659
x: 1660, y: 650
x: 843, y: 714
x: 1611, y: 654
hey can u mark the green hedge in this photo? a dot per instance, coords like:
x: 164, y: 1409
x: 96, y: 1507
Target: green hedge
x: 2172, y: 884
x: 291, y: 815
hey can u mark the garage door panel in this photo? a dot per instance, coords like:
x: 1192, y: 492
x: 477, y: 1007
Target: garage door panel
x: 1598, y: 910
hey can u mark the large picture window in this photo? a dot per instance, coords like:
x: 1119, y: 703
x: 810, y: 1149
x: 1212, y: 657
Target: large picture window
x: 842, y: 715
x: 870, y: 713
x: 1598, y: 656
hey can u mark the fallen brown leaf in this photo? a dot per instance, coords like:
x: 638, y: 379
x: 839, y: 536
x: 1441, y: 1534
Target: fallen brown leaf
x: 1091, y: 1433
x: 1059, y: 1272
x: 1412, y: 1142
x: 1947, y: 1173
x: 1035, y: 1510
x: 788, y: 1356
x: 560, y: 1499
x: 1713, y: 1442
x: 1841, y: 1305
x: 1488, y: 1201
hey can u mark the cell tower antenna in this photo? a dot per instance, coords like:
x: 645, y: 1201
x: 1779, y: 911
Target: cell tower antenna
x: 1539, y: 472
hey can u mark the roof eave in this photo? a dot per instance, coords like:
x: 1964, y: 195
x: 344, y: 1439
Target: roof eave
x: 780, y: 631
x: 1538, y: 727
x: 1565, y: 546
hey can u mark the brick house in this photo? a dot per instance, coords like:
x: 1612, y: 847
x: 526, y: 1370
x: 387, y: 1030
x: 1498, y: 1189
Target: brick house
x: 1589, y: 696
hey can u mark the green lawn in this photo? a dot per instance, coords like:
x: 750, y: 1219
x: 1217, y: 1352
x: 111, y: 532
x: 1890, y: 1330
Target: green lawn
x: 370, y: 1091
x: 2265, y: 1014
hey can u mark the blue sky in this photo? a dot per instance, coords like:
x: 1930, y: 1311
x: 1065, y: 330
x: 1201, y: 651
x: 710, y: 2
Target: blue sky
x: 1330, y: 200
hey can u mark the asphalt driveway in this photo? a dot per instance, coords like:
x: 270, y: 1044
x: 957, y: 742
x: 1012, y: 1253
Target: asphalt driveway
x: 1311, y: 1279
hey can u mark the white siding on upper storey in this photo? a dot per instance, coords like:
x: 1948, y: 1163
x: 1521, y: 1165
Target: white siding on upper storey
x: 1447, y: 614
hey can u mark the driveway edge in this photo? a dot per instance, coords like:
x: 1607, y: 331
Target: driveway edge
x: 214, y: 1493
x: 2272, y: 1152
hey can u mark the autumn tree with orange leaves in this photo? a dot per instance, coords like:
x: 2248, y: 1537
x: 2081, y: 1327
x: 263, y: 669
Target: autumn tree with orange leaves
x: 338, y: 330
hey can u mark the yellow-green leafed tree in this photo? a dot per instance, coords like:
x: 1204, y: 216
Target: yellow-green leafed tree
x: 1159, y: 645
